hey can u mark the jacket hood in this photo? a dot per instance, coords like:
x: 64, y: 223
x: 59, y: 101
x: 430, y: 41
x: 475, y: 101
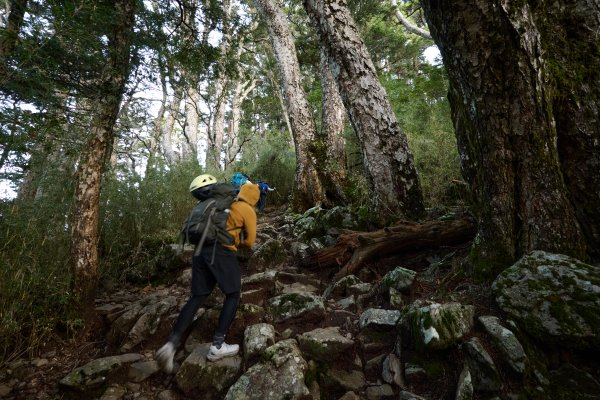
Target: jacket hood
x: 249, y: 193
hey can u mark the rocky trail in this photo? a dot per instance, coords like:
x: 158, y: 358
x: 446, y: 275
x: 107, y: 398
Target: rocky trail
x: 413, y: 326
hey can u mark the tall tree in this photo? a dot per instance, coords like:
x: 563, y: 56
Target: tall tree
x: 84, y: 251
x: 386, y: 156
x: 502, y: 107
x: 10, y: 34
x: 329, y: 143
x: 570, y: 31
x: 309, y: 190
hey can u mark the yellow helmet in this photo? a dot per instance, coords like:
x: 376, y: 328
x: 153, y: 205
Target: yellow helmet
x: 202, y: 181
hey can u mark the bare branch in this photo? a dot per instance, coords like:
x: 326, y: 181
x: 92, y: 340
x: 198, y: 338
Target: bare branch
x: 407, y: 24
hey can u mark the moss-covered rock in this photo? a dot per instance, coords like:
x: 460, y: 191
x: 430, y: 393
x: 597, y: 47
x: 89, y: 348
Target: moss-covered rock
x: 280, y: 375
x: 294, y: 305
x: 197, y: 374
x: 90, y: 379
x: 324, y: 344
x: 268, y: 255
x: 554, y: 298
x: 436, y: 326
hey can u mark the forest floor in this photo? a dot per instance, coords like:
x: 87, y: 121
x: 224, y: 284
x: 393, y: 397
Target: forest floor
x: 440, y: 277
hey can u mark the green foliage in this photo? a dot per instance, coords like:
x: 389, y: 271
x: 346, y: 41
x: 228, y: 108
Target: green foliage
x: 34, y: 275
x: 273, y: 160
x: 423, y: 112
x: 140, y: 219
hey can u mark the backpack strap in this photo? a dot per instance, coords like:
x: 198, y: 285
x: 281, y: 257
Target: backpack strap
x: 208, y: 222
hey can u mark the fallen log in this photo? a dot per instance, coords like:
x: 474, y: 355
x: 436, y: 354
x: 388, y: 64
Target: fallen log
x: 353, y: 249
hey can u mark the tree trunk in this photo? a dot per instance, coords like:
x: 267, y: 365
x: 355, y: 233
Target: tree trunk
x: 329, y: 144
x: 308, y: 190
x: 192, y: 117
x: 388, y: 161
x: 240, y: 93
x: 502, y: 112
x: 169, y: 125
x: 10, y: 35
x: 570, y: 33
x: 84, y: 251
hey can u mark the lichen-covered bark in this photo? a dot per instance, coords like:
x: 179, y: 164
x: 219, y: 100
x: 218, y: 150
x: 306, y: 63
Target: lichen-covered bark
x: 84, y: 250
x: 308, y: 189
x: 505, y: 130
x: 570, y: 34
x: 386, y: 156
x: 328, y: 148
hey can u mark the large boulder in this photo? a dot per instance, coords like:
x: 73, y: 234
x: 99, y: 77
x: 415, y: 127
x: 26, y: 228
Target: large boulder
x: 296, y: 305
x: 554, y: 298
x: 436, y: 326
x: 325, y: 344
x: 211, y: 379
x: 279, y: 376
x: 92, y: 378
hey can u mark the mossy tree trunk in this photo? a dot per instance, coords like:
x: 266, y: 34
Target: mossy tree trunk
x: 85, y: 236
x: 386, y: 156
x: 570, y: 33
x: 502, y: 111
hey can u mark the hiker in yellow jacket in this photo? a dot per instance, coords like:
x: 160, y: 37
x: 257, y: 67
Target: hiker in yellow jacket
x: 224, y: 270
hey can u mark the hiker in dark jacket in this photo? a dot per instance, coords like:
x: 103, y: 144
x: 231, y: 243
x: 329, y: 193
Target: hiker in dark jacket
x: 264, y: 189
x: 224, y: 271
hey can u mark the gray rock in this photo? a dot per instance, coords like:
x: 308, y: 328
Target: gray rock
x: 464, y: 389
x: 380, y: 392
x: 404, y: 395
x: 359, y: 288
x: 507, y: 342
x: 197, y: 374
x: 114, y: 392
x: 324, y: 344
x: 280, y: 375
x: 340, y: 287
x: 396, y: 300
x: 400, y: 279
x: 141, y: 371
x: 554, y: 298
x: 345, y: 380
x: 392, y: 370
x: 349, y: 396
x: 141, y: 319
x: 268, y: 255
x: 262, y: 280
x: 483, y: 370
x: 375, y: 317
x: 414, y: 373
x: 299, y: 250
x: 257, y: 338
x: 294, y: 305
x: 97, y: 373
x: 436, y: 326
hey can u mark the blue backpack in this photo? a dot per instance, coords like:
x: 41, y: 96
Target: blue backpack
x: 237, y: 180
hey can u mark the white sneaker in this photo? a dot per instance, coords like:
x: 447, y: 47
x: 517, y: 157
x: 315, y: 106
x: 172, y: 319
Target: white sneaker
x: 164, y: 357
x: 226, y: 350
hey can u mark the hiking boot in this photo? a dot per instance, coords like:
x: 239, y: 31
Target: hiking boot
x: 164, y: 357
x: 226, y: 350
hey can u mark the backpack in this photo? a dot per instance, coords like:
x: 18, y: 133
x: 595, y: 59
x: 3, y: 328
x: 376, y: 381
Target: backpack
x: 208, y: 219
x: 263, y: 187
x: 237, y: 180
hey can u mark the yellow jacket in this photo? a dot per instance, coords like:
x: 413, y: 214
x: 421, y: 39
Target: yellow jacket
x: 242, y: 217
